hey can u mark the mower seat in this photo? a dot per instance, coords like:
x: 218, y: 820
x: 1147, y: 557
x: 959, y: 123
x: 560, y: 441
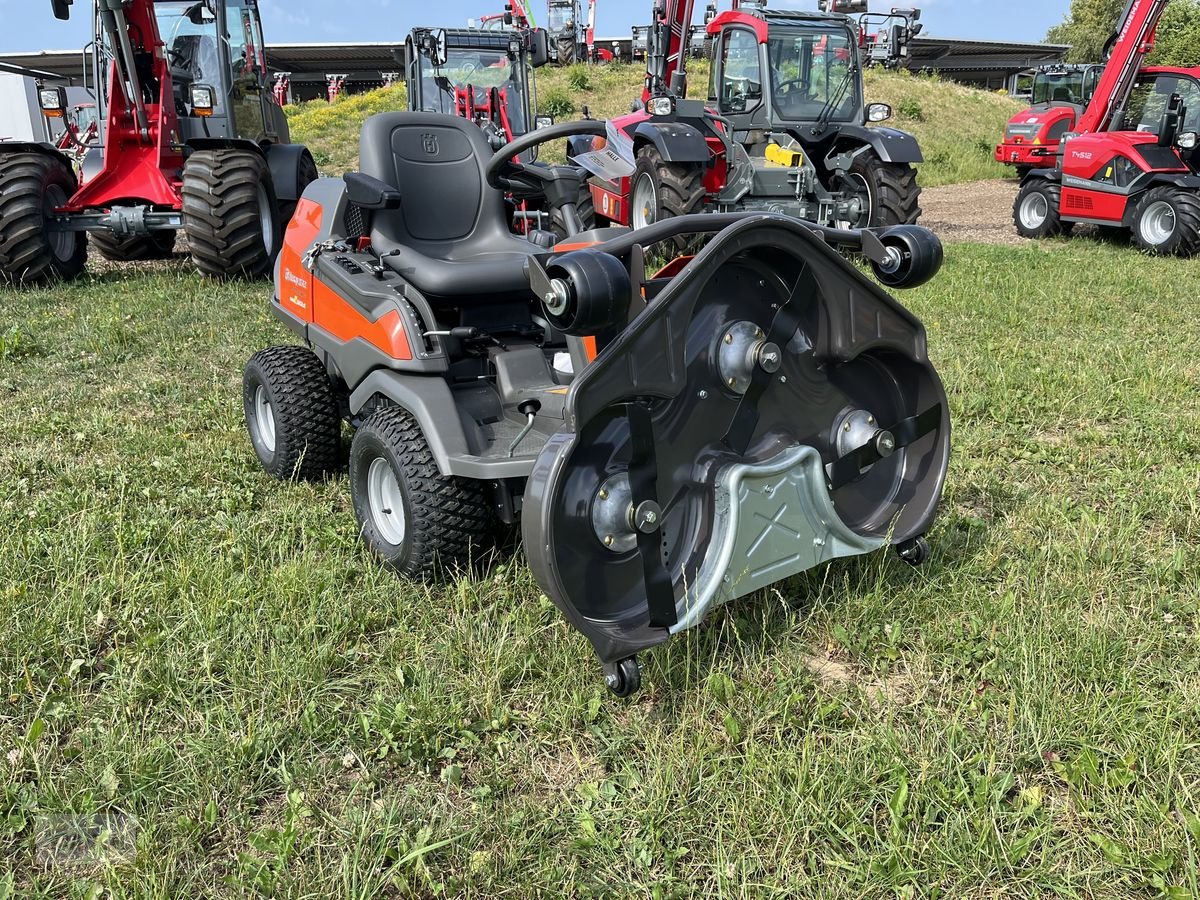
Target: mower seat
x: 450, y: 234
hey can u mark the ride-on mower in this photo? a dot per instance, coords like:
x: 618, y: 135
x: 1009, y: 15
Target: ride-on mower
x: 668, y: 441
x: 192, y: 140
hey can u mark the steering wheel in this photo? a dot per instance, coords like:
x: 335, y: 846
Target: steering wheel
x: 794, y: 81
x: 506, y: 172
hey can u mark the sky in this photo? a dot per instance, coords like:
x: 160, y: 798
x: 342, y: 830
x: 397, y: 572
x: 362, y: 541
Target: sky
x: 30, y: 25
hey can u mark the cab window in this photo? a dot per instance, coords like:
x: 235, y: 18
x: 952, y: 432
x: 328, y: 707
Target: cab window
x: 1150, y: 97
x: 741, y: 72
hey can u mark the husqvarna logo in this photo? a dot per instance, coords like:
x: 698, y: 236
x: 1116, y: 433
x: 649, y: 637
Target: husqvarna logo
x: 429, y: 143
x: 295, y: 279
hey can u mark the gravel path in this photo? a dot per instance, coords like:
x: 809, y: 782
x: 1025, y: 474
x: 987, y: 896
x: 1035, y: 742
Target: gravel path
x: 980, y: 211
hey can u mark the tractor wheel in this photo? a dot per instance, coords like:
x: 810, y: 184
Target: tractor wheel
x: 230, y: 213
x: 1166, y: 222
x: 415, y: 519
x: 891, y: 191
x: 134, y: 248
x: 566, y: 50
x: 292, y: 413
x: 586, y: 208
x: 32, y: 186
x: 1037, y: 210
x: 660, y: 190
x: 306, y: 174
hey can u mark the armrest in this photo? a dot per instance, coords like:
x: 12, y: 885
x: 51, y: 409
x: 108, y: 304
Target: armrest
x: 370, y: 193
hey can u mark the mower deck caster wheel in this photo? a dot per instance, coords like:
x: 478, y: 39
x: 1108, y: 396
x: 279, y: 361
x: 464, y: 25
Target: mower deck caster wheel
x: 914, y: 552
x: 624, y: 678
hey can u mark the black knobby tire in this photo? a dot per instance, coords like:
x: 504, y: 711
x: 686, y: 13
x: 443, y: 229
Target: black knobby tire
x: 566, y: 50
x: 134, y: 248
x: 1184, y: 240
x: 1040, y: 218
x: 677, y: 187
x: 230, y: 213
x: 31, y: 185
x: 306, y: 174
x: 585, y: 207
x: 305, y: 425
x: 895, y: 194
x: 444, y: 519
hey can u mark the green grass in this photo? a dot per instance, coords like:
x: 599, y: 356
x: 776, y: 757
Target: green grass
x: 958, y: 127
x: 191, y: 643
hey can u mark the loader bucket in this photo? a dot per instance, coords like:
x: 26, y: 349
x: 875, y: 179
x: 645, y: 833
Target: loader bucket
x: 769, y: 411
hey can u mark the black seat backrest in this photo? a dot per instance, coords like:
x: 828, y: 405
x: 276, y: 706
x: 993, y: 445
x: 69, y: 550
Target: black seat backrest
x: 447, y: 208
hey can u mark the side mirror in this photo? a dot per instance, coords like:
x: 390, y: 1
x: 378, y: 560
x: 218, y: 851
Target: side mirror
x: 878, y: 112
x: 370, y: 193
x: 62, y: 9
x: 539, y: 52
x: 434, y: 46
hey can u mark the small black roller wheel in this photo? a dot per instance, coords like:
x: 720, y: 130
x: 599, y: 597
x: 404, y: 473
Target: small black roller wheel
x: 915, y: 552
x: 624, y: 678
x: 292, y: 414
x: 419, y: 522
x: 1037, y: 211
x: 596, y: 295
x: 914, y: 256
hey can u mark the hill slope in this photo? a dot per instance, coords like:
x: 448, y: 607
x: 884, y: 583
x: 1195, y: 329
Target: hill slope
x: 957, y: 126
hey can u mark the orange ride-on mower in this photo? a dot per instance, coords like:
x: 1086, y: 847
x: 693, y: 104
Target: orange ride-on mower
x: 668, y: 442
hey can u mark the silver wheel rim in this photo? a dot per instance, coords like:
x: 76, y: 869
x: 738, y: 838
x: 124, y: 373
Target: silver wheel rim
x: 62, y: 243
x: 1158, y: 223
x: 645, y: 202
x: 857, y: 185
x: 264, y: 419
x: 1035, y: 209
x: 385, y: 502
x: 266, y: 215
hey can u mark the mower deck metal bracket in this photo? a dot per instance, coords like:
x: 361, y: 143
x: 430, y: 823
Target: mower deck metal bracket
x: 772, y: 520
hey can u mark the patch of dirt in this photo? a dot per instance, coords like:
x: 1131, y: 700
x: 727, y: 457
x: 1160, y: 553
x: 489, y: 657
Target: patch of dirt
x: 835, y: 675
x: 980, y: 211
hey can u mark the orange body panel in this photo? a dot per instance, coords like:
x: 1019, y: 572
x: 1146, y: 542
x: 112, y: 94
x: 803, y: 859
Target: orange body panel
x: 295, y: 282
x: 346, y: 323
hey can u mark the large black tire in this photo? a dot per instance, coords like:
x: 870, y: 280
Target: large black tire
x: 586, y: 208
x: 134, y: 248
x: 661, y: 190
x: 1166, y: 222
x: 1037, y: 211
x: 895, y: 195
x: 292, y: 414
x: 32, y: 185
x: 565, y: 45
x: 418, y: 521
x: 306, y: 174
x: 230, y: 214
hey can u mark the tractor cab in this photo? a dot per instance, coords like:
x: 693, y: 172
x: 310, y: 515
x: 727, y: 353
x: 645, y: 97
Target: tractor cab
x: 1069, y: 85
x: 480, y: 75
x: 215, y: 51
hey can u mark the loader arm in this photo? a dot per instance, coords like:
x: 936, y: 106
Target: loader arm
x: 1134, y: 41
x: 666, y: 55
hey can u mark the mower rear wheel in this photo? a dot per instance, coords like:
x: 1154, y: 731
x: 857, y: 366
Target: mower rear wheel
x: 894, y: 196
x: 292, y: 414
x: 1037, y: 211
x: 230, y: 213
x: 134, y: 248
x: 418, y: 521
x: 1166, y: 222
x: 32, y: 186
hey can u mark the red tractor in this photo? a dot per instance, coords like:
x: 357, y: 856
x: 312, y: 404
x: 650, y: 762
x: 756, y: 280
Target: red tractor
x: 1131, y: 167
x: 192, y: 140
x: 784, y: 129
x: 1060, y: 95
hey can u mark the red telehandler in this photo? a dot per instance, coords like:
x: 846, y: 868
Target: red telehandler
x: 192, y: 140
x: 1131, y: 164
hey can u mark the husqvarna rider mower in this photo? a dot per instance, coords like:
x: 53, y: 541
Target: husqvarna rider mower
x: 669, y: 442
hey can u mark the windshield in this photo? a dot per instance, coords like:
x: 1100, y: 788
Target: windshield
x: 1148, y: 102
x: 471, y: 75
x: 1064, y: 87
x: 812, y: 71
x: 560, y: 17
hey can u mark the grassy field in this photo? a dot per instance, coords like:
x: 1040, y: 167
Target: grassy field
x: 191, y: 644
x: 958, y: 127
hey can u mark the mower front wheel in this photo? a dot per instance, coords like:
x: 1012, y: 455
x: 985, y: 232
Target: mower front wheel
x: 418, y: 521
x: 230, y: 213
x: 1037, y: 211
x: 32, y: 187
x: 1166, y: 222
x: 292, y: 414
